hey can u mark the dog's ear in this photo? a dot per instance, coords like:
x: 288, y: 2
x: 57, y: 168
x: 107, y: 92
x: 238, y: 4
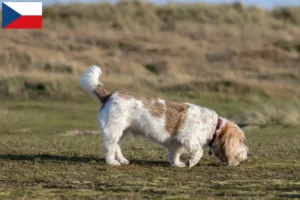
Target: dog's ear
x: 229, y: 141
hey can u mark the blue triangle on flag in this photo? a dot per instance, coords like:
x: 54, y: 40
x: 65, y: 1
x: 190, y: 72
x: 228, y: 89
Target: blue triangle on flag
x: 8, y: 15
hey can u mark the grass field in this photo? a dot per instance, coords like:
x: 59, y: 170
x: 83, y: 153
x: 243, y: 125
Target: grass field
x: 241, y: 61
x: 42, y: 158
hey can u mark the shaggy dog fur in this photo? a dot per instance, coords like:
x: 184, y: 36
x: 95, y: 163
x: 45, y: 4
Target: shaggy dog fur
x: 180, y: 127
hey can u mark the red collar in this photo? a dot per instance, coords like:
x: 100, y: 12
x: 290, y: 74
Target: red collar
x: 215, y: 133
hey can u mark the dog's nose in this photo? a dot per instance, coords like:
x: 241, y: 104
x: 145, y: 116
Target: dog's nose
x: 248, y: 154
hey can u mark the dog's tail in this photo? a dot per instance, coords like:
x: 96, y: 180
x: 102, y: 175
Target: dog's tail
x: 89, y: 81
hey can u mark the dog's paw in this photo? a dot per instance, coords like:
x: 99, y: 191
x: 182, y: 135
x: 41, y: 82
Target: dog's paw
x: 191, y: 163
x: 113, y: 163
x: 124, y: 161
x: 181, y: 164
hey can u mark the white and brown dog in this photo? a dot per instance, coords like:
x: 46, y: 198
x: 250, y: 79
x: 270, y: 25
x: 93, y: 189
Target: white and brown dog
x: 181, y: 127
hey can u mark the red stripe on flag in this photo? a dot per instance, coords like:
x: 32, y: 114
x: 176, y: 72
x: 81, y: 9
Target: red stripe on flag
x: 26, y: 22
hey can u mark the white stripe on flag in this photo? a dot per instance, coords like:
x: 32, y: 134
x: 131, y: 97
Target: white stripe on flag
x: 26, y: 8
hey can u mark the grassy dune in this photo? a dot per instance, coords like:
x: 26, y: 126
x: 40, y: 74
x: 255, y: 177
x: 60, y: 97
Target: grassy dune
x: 241, y: 61
x: 149, y: 49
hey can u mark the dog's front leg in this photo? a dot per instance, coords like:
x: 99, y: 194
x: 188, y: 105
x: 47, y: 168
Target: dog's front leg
x: 196, y: 154
x: 174, y: 158
x: 175, y: 150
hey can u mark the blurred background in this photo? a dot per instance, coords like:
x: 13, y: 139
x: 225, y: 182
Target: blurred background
x: 207, y: 52
x: 262, y: 4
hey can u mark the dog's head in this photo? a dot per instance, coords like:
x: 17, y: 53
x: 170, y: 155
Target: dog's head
x: 229, y: 145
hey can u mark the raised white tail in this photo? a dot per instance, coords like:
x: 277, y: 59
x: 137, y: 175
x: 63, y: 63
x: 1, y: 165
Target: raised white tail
x: 89, y: 81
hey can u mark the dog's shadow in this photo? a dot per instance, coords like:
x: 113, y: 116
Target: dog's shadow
x: 78, y: 159
x: 81, y: 159
x: 50, y: 158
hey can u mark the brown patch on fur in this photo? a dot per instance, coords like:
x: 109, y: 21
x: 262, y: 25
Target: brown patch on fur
x: 229, y: 139
x: 146, y: 101
x: 175, y: 113
x: 102, y: 94
x: 155, y: 108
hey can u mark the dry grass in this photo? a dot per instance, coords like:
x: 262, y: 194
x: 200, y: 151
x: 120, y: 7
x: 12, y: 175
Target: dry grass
x: 154, y: 47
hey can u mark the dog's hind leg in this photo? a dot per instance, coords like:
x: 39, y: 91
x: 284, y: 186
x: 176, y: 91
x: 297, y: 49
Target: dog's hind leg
x: 119, y: 155
x: 113, y: 152
x: 112, y: 122
x: 112, y: 133
x: 110, y: 147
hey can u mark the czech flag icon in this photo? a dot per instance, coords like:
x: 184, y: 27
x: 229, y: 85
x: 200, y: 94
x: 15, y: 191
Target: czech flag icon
x: 22, y: 15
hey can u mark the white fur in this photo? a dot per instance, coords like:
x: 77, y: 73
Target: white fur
x: 90, y: 79
x: 120, y: 117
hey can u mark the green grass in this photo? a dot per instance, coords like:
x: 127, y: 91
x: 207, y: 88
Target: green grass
x: 37, y: 162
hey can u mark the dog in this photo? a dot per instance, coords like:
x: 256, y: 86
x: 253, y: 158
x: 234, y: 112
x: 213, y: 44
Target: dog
x: 183, y: 128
